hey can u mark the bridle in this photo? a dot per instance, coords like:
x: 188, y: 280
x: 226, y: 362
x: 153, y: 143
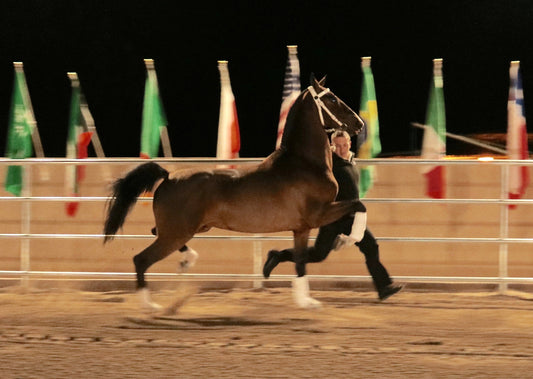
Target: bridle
x: 321, y: 106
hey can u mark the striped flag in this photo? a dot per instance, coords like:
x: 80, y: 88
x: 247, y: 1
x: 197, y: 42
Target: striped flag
x: 78, y: 140
x: 517, y: 143
x: 153, y: 119
x: 229, y: 140
x: 434, y: 141
x: 368, y: 142
x: 291, y: 89
x: 21, y: 126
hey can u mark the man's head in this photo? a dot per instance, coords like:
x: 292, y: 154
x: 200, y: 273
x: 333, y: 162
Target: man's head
x: 341, y: 143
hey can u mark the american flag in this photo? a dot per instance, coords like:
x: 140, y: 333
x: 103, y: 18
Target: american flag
x: 517, y: 142
x: 291, y: 89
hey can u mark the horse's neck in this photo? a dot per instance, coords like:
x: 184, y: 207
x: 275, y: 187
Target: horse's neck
x: 305, y: 136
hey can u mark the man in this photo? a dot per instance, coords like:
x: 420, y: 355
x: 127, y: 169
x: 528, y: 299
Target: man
x: 350, y: 229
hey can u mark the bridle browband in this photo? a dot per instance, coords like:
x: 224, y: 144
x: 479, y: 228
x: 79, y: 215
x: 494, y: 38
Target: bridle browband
x: 321, y: 106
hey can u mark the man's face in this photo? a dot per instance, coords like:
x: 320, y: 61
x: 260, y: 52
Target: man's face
x: 342, y: 147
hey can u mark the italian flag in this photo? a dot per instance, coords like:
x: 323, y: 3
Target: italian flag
x: 434, y: 141
x: 77, y: 142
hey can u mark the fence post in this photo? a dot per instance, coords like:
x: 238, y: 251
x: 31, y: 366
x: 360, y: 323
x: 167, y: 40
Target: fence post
x: 504, y: 229
x: 25, y: 221
x: 258, y: 283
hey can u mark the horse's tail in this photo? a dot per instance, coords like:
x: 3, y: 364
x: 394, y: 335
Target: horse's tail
x: 125, y: 193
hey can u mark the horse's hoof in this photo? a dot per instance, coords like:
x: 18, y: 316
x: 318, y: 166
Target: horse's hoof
x: 151, y: 307
x: 146, y: 302
x: 190, y: 257
x: 308, y: 303
x: 313, y: 303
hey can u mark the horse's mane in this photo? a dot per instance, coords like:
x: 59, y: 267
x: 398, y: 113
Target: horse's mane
x: 289, y: 123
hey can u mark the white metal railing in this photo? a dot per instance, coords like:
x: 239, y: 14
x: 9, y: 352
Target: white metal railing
x: 25, y: 236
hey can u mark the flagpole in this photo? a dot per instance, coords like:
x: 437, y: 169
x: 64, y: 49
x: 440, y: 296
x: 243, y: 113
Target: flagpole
x: 165, y: 142
x: 464, y: 139
x: 504, y: 230
x: 25, y: 213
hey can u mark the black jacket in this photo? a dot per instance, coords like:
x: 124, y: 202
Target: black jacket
x: 347, y: 178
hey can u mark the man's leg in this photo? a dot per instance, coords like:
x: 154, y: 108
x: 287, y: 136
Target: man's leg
x: 317, y: 253
x: 380, y: 276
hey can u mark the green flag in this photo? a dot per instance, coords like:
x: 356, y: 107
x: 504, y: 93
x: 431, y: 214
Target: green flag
x: 368, y: 143
x: 20, y: 127
x: 153, y: 115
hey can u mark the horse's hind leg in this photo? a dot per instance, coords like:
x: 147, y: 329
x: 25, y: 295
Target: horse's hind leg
x: 159, y: 249
x: 189, y: 258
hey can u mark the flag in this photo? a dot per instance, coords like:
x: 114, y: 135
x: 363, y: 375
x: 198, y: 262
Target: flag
x: 20, y: 128
x: 153, y: 119
x: 517, y: 143
x: 368, y: 142
x: 291, y: 89
x: 434, y: 141
x: 229, y: 140
x: 78, y: 140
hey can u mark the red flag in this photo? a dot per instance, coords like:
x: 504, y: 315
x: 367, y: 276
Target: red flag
x: 517, y: 143
x: 435, y: 182
x: 83, y: 142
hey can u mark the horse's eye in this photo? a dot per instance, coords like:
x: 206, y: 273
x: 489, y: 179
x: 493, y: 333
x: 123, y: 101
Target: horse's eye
x: 333, y: 100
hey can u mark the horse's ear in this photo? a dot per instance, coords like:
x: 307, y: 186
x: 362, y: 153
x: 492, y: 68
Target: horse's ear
x: 317, y: 83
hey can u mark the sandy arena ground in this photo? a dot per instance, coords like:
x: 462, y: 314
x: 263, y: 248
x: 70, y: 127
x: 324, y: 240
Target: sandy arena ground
x: 260, y: 334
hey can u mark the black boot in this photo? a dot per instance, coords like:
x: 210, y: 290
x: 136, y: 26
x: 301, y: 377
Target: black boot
x: 271, y: 262
x: 386, y: 292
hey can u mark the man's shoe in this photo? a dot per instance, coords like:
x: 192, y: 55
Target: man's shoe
x: 271, y: 262
x: 388, y: 291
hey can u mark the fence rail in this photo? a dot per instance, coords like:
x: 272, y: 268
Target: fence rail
x: 503, y: 240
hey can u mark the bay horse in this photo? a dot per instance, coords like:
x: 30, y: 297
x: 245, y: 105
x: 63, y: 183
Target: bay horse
x: 293, y: 189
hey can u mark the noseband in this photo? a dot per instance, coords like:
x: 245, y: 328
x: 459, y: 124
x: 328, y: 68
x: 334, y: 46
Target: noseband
x: 321, y: 106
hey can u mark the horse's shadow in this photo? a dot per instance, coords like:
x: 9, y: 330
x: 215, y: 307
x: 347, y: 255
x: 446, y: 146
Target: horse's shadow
x: 215, y: 322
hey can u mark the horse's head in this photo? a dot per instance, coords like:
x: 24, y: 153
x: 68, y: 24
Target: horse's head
x: 333, y: 112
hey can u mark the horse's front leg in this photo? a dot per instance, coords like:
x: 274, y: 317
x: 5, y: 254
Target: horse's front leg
x: 300, y: 284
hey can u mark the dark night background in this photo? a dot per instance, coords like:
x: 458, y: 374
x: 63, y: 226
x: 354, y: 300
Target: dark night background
x: 106, y: 41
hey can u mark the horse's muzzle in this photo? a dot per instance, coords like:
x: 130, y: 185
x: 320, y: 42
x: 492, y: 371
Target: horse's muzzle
x: 355, y: 128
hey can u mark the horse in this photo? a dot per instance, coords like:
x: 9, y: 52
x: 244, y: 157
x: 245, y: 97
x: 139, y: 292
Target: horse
x: 293, y: 189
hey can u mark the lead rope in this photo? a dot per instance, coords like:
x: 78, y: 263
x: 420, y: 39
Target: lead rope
x: 321, y: 106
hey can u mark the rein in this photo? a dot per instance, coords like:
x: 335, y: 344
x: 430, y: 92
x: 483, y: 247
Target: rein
x: 321, y: 106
